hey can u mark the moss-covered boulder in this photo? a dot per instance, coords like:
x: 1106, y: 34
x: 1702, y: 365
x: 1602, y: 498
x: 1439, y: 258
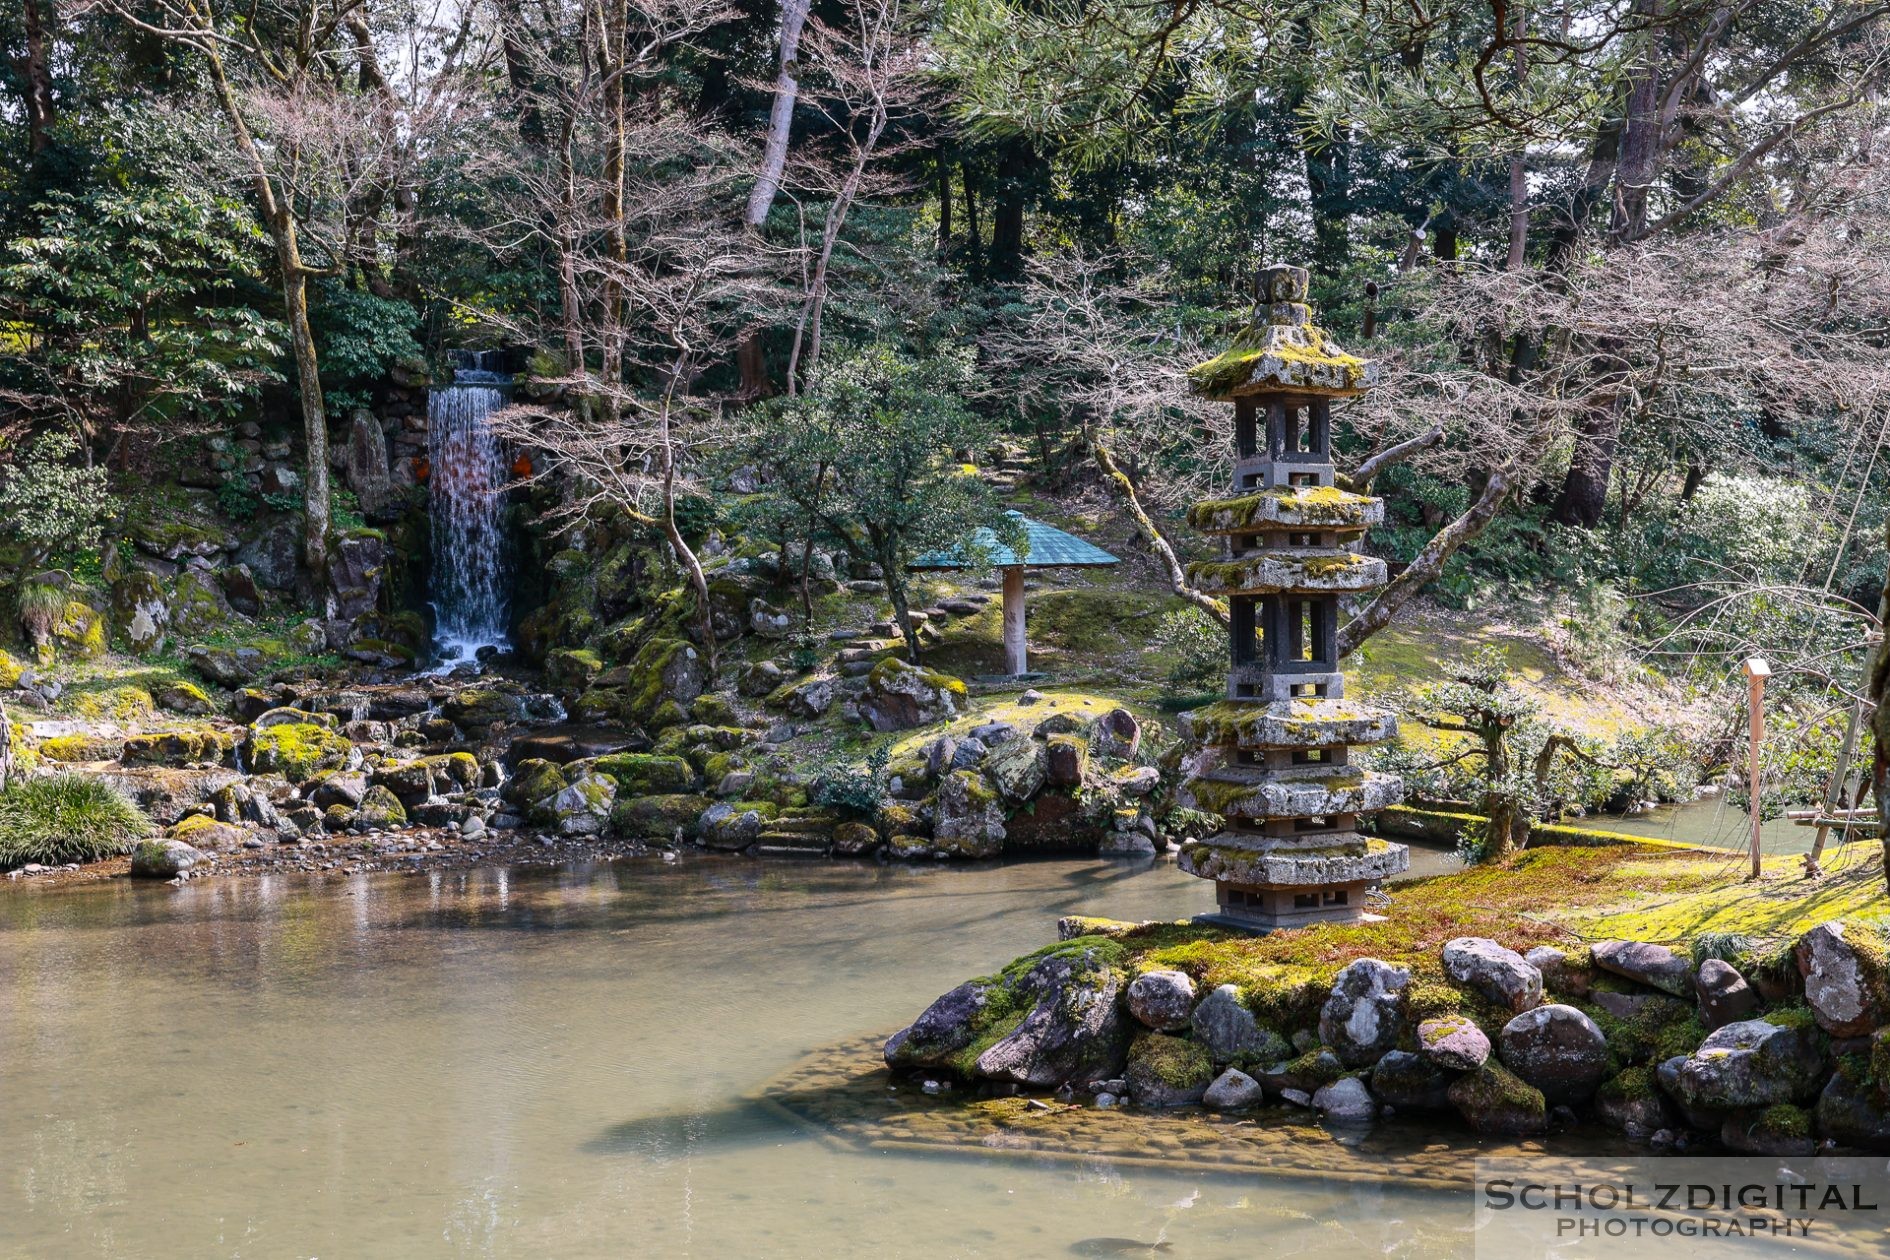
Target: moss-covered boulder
x: 178, y: 748
x: 197, y: 604
x: 380, y: 808
x: 176, y: 539
x: 734, y: 825
x: 1781, y: 1129
x: 1050, y: 1018
x: 81, y: 746
x: 532, y: 781
x: 1496, y: 1102
x: 665, y: 817
x: 571, y: 670
x: 409, y: 781
x: 1754, y: 1063
x: 165, y: 859
x: 969, y: 818
x: 297, y: 750
x: 185, y: 697
x: 476, y: 708
x: 204, y: 832
x: 142, y: 612
x: 580, y: 808
x: 11, y: 671
x: 79, y: 632
x: 454, y: 770
x: 900, y: 695
x: 646, y: 774
x: 1167, y: 1071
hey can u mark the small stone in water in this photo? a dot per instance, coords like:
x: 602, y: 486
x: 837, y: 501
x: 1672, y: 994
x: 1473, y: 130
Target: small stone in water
x: 1105, y: 1099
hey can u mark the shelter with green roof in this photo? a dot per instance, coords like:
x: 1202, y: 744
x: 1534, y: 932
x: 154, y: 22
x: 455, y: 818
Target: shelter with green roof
x: 1045, y: 547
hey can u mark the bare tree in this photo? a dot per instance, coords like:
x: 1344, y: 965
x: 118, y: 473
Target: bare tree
x: 869, y: 68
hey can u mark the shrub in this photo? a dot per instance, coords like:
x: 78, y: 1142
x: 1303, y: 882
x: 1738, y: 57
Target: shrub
x: 52, y: 500
x: 66, y: 818
x: 1195, y: 645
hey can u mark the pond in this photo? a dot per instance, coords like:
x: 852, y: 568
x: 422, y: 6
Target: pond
x: 559, y: 1062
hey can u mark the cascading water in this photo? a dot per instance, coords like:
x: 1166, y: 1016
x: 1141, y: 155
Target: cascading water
x: 467, y: 477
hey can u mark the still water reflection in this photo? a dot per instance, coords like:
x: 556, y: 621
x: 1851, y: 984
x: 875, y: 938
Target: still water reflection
x: 554, y: 1063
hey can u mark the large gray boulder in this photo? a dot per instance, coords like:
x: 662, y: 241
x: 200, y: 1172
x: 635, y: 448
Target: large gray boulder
x: 1751, y: 1063
x: 1557, y: 1049
x: 582, y: 808
x: 1162, y: 1000
x: 1853, y: 1114
x: 1345, y: 1102
x: 1223, y: 1023
x: 1017, y: 769
x: 164, y: 859
x: 1453, y: 1043
x: 1233, y: 1090
x: 1364, y: 1016
x: 899, y: 696
x: 1725, y: 997
x: 1072, y: 1030
x: 1837, y: 986
x: 1653, y: 965
x: 1499, y: 974
x: 969, y: 820
x: 731, y: 825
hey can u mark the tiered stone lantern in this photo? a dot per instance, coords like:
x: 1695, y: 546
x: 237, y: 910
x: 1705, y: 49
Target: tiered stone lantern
x: 1276, y: 756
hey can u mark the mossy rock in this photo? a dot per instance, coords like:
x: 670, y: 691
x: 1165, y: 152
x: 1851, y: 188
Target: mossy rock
x: 197, y: 605
x: 117, y: 702
x: 80, y: 631
x: 571, y: 670
x: 658, y: 817
x: 478, y: 707
x: 714, y: 710
x: 455, y: 769
x: 1167, y: 1071
x: 202, y: 831
x: 646, y: 774
x: 11, y: 670
x: 178, y: 748
x: 183, y: 696
x: 380, y: 808
x: 297, y: 750
x: 534, y: 780
x: 1495, y: 1101
x: 81, y: 747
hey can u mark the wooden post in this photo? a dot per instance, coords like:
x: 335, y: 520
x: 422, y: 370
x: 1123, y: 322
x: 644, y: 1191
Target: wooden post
x: 1014, y: 619
x: 1757, y: 671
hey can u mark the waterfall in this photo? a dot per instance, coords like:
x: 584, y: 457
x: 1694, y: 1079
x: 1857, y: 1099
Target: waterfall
x: 467, y: 476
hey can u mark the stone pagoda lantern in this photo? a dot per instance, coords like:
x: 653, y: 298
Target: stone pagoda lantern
x: 1275, y: 761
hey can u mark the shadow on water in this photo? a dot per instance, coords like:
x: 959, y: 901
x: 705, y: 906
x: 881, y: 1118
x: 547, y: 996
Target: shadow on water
x: 678, y: 1135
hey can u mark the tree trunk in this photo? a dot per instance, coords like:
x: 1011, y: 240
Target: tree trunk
x: 36, y: 76
x: 611, y: 65
x: 887, y: 557
x: 1518, y: 165
x: 1007, y: 218
x: 280, y: 220
x: 1584, y: 495
x: 974, y: 235
x: 1640, y: 136
x: 944, y: 201
x: 314, y: 418
x: 780, y: 115
x: 815, y: 303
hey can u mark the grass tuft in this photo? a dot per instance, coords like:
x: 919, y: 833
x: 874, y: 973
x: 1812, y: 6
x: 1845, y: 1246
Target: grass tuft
x: 66, y: 818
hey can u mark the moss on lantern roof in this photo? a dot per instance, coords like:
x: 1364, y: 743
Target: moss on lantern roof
x: 1286, y: 356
